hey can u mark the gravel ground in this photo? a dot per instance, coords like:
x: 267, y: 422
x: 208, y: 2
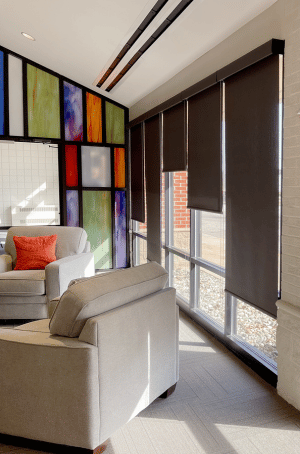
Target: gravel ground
x: 253, y: 326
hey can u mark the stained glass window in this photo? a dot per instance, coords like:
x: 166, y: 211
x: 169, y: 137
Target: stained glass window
x: 73, y: 112
x: 97, y: 223
x: 120, y: 229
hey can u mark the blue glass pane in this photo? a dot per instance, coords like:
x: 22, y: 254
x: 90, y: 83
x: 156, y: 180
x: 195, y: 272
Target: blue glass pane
x: 72, y: 208
x: 1, y: 93
x: 73, y: 112
x: 120, y: 229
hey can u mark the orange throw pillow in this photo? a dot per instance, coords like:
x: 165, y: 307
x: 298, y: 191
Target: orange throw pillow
x: 34, y: 253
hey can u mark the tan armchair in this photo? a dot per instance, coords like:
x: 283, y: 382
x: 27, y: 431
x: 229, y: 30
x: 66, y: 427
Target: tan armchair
x: 110, y: 350
x: 25, y: 294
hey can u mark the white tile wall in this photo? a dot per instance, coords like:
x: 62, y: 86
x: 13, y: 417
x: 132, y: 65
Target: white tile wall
x: 28, y: 178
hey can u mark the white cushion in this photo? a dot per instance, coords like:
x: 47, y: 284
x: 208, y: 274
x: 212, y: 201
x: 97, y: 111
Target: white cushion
x: 103, y: 292
x: 23, y: 283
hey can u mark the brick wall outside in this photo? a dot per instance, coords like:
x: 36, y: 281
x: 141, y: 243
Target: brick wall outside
x: 181, y: 213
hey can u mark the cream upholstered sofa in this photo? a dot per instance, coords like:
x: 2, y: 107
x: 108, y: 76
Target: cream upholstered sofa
x: 110, y: 349
x: 25, y: 294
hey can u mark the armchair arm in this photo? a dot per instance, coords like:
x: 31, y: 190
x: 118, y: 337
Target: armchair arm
x: 5, y: 263
x: 61, y: 272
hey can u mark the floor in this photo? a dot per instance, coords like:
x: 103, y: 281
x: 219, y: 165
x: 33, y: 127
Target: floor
x: 219, y: 407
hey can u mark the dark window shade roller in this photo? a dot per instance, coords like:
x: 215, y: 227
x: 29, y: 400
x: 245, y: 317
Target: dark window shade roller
x: 152, y: 166
x: 174, y: 138
x: 204, y: 150
x: 137, y: 174
x: 252, y: 184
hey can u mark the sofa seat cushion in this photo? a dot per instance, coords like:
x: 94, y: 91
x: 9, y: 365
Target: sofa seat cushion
x: 93, y: 296
x: 23, y: 282
x: 38, y: 326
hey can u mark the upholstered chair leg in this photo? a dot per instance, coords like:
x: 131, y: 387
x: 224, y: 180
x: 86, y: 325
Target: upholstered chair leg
x: 100, y: 448
x: 168, y: 392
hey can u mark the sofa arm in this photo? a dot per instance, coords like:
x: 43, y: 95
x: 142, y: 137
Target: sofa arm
x: 138, y: 355
x: 49, y: 391
x: 5, y: 263
x: 61, y: 272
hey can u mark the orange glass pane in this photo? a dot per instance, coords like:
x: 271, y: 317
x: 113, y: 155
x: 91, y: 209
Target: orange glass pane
x: 71, y: 165
x: 94, y: 118
x: 119, y: 167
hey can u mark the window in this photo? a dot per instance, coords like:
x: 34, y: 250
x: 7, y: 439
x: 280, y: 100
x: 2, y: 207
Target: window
x: 29, y: 184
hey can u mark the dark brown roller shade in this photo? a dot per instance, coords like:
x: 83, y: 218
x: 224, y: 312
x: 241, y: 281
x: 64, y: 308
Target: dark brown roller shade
x: 252, y: 156
x: 152, y: 166
x: 174, y: 139
x: 137, y: 174
x: 204, y: 150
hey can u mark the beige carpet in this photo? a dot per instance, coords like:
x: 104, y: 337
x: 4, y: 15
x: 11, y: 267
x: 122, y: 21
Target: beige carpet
x: 219, y: 407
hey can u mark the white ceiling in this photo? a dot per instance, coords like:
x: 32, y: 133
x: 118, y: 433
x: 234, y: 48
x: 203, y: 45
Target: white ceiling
x: 79, y: 39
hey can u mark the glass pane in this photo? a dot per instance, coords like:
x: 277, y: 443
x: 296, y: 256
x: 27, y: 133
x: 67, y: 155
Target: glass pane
x: 43, y: 103
x: 29, y: 185
x: 96, y: 167
x: 212, y: 294
x: 1, y: 93
x: 257, y: 329
x: 15, y: 90
x: 212, y: 232
x: 73, y: 112
x: 119, y: 167
x: 71, y: 165
x: 72, y: 208
x: 180, y: 213
x: 97, y: 223
x: 94, y: 118
x: 140, y: 250
x: 120, y: 229
x: 163, y: 210
x: 181, y: 277
x: 115, y: 124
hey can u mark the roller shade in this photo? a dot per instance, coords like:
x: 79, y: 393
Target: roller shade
x: 174, y: 138
x: 152, y: 166
x: 137, y: 174
x: 252, y: 184
x: 204, y: 150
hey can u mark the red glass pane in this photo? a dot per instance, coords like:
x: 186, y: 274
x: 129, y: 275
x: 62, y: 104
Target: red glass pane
x: 71, y: 165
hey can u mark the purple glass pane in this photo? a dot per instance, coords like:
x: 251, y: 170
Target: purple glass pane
x: 73, y: 112
x: 1, y: 93
x: 120, y: 229
x: 72, y: 208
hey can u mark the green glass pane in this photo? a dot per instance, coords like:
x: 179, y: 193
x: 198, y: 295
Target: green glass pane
x: 43, y: 104
x: 115, y: 124
x: 97, y: 223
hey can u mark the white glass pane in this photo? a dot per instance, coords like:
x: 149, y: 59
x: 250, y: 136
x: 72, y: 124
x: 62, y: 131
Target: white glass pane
x: 96, y: 167
x: 29, y: 185
x: 15, y: 85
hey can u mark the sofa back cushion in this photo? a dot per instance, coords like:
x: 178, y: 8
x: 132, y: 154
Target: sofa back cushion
x: 70, y: 240
x: 93, y: 296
